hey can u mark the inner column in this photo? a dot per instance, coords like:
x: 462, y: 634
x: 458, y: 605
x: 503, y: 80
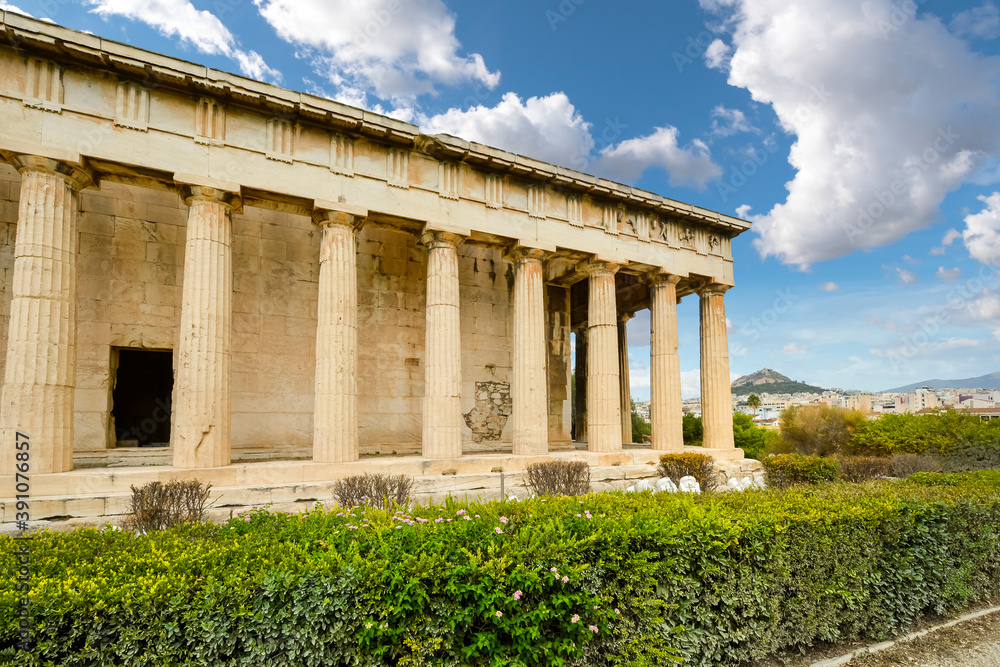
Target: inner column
x: 202, y: 400
x: 335, y: 416
x: 604, y: 424
x: 624, y: 378
x: 529, y: 389
x: 40, y: 375
x: 442, y: 419
x: 666, y: 411
x: 716, y: 392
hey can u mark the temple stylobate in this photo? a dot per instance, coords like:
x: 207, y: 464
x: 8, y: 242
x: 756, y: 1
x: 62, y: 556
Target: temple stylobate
x: 208, y: 264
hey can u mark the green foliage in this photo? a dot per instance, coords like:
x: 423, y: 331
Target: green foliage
x: 641, y: 429
x: 753, y: 400
x: 682, y: 464
x: 819, y: 429
x: 693, y: 432
x: 944, y: 434
x: 748, y: 436
x: 788, y: 469
x: 719, y: 579
x: 864, y: 468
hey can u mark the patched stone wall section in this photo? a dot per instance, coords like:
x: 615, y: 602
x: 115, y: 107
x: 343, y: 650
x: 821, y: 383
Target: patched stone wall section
x: 493, y: 407
x: 486, y: 311
x: 275, y: 288
x: 129, y: 274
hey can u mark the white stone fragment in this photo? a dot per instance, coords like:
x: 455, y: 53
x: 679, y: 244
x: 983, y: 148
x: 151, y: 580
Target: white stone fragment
x: 689, y: 485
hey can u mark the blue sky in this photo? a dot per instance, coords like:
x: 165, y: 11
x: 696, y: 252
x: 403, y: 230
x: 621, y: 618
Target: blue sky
x: 859, y: 136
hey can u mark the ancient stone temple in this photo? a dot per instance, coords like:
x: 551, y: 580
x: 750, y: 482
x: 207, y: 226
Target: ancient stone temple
x: 203, y: 261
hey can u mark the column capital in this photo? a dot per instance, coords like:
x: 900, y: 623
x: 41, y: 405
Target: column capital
x: 625, y: 316
x: 713, y: 289
x: 599, y: 267
x: 438, y: 239
x: 338, y: 213
x: 662, y: 278
x: 522, y: 253
x: 78, y: 175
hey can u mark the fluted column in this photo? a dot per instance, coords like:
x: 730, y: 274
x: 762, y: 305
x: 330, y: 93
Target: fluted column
x: 623, y: 376
x: 529, y: 389
x: 202, y: 400
x: 666, y: 409
x: 716, y: 393
x: 442, y: 435
x: 40, y: 375
x: 604, y: 424
x: 335, y: 416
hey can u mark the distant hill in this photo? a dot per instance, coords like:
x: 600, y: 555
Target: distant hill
x: 771, y: 382
x: 990, y: 381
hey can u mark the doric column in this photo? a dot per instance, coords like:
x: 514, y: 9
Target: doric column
x: 604, y: 424
x: 202, y: 400
x: 335, y: 416
x: 665, y: 367
x: 442, y: 435
x: 580, y: 383
x: 716, y: 393
x: 623, y: 376
x: 40, y: 375
x: 529, y: 388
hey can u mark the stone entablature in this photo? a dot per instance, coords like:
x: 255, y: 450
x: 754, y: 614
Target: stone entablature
x: 231, y: 129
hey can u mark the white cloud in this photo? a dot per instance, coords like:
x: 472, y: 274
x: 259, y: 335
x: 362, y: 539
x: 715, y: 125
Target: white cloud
x: 949, y: 275
x: 982, y: 21
x: 982, y: 231
x: 627, y: 161
x: 180, y: 18
x: 830, y: 287
x: 551, y: 129
x: 889, y: 117
x: 727, y: 122
x: 910, y: 260
x: 905, y: 277
x: 396, y: 49
x: 794, y: 348
x: 12, y: 8
x: 950, y: 237
x: 717, y: 54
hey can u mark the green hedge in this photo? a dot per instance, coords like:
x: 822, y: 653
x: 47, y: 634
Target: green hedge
x: 598, y: 580
x: 787, y: 469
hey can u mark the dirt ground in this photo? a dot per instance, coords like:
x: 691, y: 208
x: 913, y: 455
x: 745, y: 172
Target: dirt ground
x: 974, y: 643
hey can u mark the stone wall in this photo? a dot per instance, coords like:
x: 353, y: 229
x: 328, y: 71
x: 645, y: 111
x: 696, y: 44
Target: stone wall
x: 130, y: 268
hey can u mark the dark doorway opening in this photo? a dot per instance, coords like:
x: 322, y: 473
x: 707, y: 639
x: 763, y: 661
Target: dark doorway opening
x: 141, y: 398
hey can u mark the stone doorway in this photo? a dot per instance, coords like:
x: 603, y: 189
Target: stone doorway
x: 144, y: 380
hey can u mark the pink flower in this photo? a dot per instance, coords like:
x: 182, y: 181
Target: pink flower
x: 499, y: 614
x: 503, y: 519
x: 459, y: 512
x: 593, y: 629
x: 439, y: 520
x: 617, y: 612
x: 517, y: 595
x: 575, y: 619
x: 499, y: 532
x: 552, y: 569
x: 565, y: 579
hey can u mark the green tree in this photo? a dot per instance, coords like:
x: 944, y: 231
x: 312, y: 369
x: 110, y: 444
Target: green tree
x: 753, y: 400
x: 692, y: 430
x: 748, y: 436
x: 819, y: 429
x: 640, y: 427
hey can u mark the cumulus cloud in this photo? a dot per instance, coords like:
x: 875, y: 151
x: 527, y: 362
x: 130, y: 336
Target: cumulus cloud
x: 12, y: 8
x: 201, y: 29
x: 830, y: 287
x: 948, y: 275
x: 551, y: 129
x: 982, y: 231
x: 982, y: 22
x: 794, y: 348
x: 950, y: 237
x: 727, y: 122
x: 889, y: 116
x: 397, y: 49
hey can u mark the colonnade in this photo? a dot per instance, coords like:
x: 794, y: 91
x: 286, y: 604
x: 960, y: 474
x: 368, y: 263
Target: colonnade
x: 39, y: 381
